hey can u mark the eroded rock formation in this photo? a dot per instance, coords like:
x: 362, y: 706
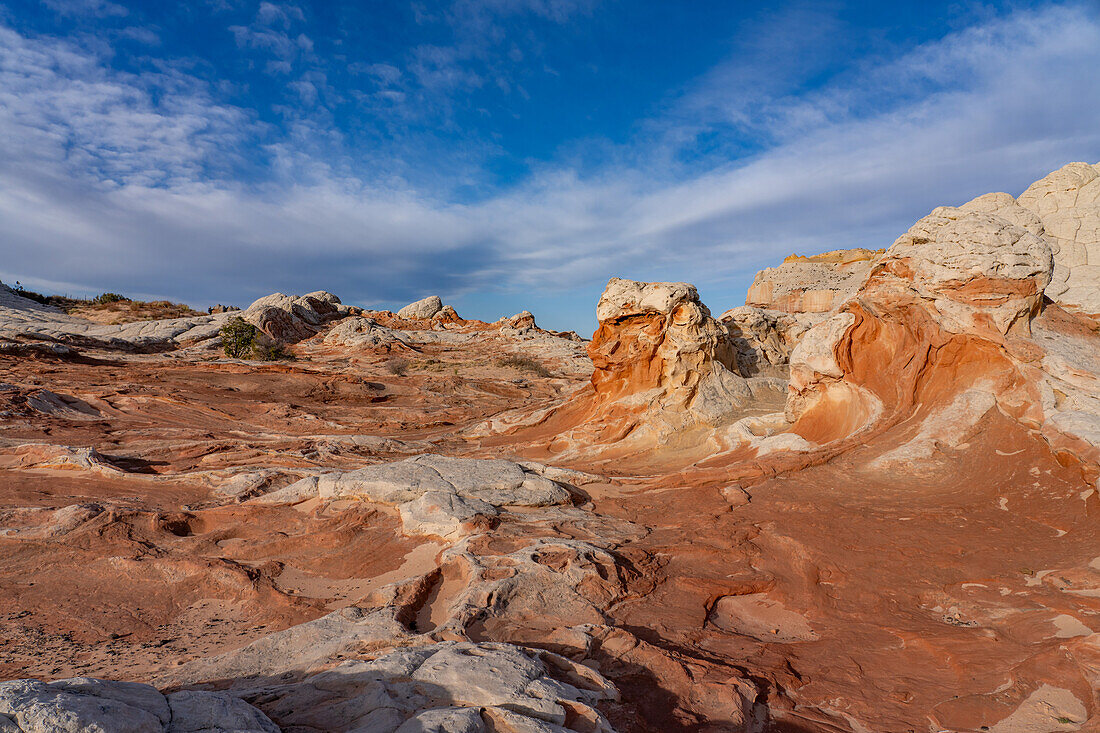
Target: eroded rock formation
x: 814, y: 284
x: 952, y: 309
x: 1067, y: 202
x: 765, y: 338
x: 664, y: 372
x: 434, y: 523
x: 423, y: 309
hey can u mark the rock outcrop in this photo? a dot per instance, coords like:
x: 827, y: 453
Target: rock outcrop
x: 1067, y: 203
x: 814, y: 284
x: 952, y: 311
x: 289, y: 319
x: 436, y: 495
x: 363, y: 333
x: 665, y: 372
x: 284, y: 318
x: 764, y: 338
x: 450, y: 686
x: 24, y: 319
x: 423, y: 309
x: 87, y: 705
x: 659, y: 338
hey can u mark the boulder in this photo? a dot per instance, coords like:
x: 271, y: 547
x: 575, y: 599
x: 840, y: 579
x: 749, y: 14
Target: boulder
x: 448, y: 316
x: 423, y: 309
x: 289, y: 319
x: 279, y: 324
x: 520, y: 321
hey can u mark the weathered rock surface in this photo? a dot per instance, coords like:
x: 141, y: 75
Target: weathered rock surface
x: 334, y: 543
x: 1067, y: 202
x: 289, y: 319
x: 449, y: 686
x: 664, y: 373
x: 953, y: 311
x: 21, y: 318
x: 86, y: 705
x: 435, y: 495
x: 424, y: 308
x: 814, y: 284
x: 764, y: 338
x: 286, y: 319
x: 362, y: 333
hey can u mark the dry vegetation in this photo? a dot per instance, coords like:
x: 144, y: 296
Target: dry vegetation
x: 111, y: 308
x: 128, y: 311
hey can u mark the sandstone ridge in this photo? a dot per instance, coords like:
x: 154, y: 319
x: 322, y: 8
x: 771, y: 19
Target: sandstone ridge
x: 865, y: 501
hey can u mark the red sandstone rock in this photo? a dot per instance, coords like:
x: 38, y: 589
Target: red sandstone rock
x: 915, y: 550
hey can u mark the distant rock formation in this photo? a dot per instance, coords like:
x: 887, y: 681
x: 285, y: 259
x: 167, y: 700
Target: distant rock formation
x: 665, y: 373
x: 289, y: 319
x: 814, y: 284
x: 519, y: 322
x: 424, y: 308
x: 764, y: 338
x: 284, y: 318
x: 362, y: 333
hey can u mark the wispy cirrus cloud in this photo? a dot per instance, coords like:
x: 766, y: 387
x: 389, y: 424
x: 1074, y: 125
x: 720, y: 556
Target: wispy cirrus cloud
x: 116, y: 181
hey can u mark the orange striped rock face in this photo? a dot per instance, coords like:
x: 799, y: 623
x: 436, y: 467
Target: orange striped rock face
x: 874, y: 510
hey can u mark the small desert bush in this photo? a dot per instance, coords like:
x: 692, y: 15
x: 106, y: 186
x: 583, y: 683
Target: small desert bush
x: 238, y: 337
x: 397, y: 366
x: 30, y: 294
x: 270, y: 351
x: 525, y: 364
x: 105, y: 298
x: 242, y: 340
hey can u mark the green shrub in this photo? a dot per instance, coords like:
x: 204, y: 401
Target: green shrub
x: 238, y: 338
x: 30, y: 294
x: 242, y: 340
x: 105, y: 298
x: 525, y: 364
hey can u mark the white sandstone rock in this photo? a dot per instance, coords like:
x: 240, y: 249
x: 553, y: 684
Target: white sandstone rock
x: 361, y: 333
x: 1068, y: 203
x: 447, y: 687
x: 434, y: 494
x: 424, y: 308
x: 87, y: 705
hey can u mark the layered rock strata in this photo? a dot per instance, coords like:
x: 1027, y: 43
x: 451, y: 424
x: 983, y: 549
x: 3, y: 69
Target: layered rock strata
x: 814, y: 284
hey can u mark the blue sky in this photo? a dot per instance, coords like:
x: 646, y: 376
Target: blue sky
x: 510, y: 154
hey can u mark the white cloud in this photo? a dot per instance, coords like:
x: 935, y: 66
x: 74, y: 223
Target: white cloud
x: 106, y: 185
